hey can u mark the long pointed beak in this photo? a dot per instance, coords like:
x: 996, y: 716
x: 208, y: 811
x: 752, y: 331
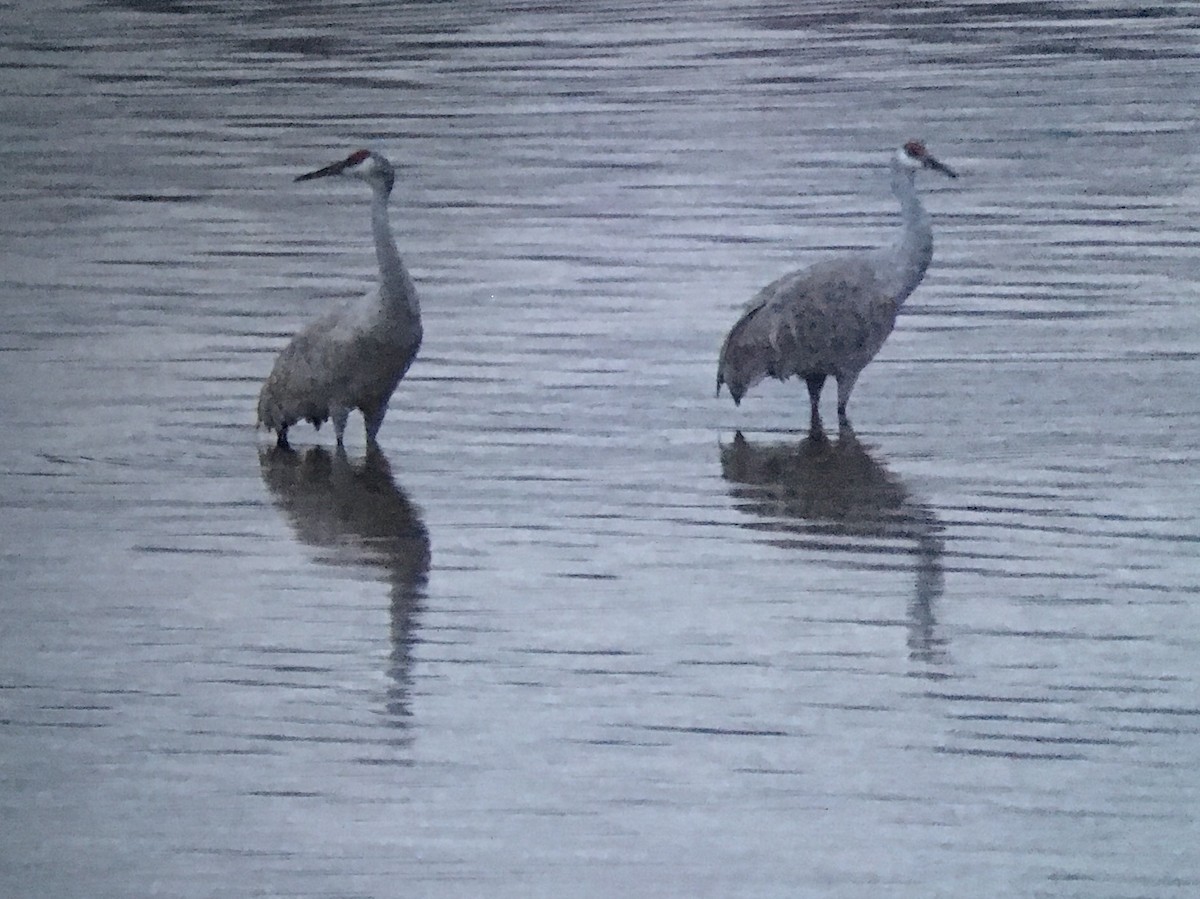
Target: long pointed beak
x: 336, y: 169
x: 931, y: 163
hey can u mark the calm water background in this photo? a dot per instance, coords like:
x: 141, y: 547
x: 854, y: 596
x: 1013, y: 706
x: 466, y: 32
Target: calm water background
x: 570, y: 635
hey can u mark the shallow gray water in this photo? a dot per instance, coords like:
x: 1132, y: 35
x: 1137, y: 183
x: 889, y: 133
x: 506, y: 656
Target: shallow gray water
x: 570, y: 634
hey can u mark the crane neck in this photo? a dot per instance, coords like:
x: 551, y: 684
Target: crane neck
x: 396, y: 288
x: 912, y: 251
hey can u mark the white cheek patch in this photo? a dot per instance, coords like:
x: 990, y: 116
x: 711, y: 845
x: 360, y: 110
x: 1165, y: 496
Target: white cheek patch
x: 906, y: 160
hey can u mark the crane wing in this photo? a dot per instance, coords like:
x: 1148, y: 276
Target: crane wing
x: 306, y: 375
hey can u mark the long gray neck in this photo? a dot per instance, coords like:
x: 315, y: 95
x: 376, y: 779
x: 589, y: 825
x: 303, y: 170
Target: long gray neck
x: 396, y: 290
x: 910, y: 255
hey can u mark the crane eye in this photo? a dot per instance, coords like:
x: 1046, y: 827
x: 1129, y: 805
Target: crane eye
x: 358, y: 156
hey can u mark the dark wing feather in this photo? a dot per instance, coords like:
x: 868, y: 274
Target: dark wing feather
x: 755, y: 346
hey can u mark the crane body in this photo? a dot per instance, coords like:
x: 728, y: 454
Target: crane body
x: 829, y: 320
x: 355, y: 356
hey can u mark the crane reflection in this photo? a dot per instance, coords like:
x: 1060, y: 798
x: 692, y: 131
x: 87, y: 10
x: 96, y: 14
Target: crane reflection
x: 355, y: 514
x: 834, y: 496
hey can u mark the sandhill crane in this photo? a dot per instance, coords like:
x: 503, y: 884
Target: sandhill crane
x: 832, y: 318
x: 353, y: 357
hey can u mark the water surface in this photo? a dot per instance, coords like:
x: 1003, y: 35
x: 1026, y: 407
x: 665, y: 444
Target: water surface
x: 582, y: 628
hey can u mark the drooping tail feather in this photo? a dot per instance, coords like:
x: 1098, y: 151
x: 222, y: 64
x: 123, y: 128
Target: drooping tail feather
x: 750, y: 352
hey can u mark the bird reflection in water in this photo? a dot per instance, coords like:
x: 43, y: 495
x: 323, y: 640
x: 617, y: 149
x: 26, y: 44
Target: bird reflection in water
x: 821, y: 493
x: 357, y: 515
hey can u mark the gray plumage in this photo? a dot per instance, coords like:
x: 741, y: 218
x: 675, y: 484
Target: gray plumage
x: 832, y: 318
x: 353, y: 357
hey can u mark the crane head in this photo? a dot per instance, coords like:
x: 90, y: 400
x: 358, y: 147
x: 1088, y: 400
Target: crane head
x: 362, y: 164
x: 914, y: 156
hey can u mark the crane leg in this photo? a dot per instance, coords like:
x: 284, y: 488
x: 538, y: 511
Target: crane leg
x: 281, y: 440
x: 814, y: 383
x: 339, y: 416
x: 845, y: 384
x: 374, y: 420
